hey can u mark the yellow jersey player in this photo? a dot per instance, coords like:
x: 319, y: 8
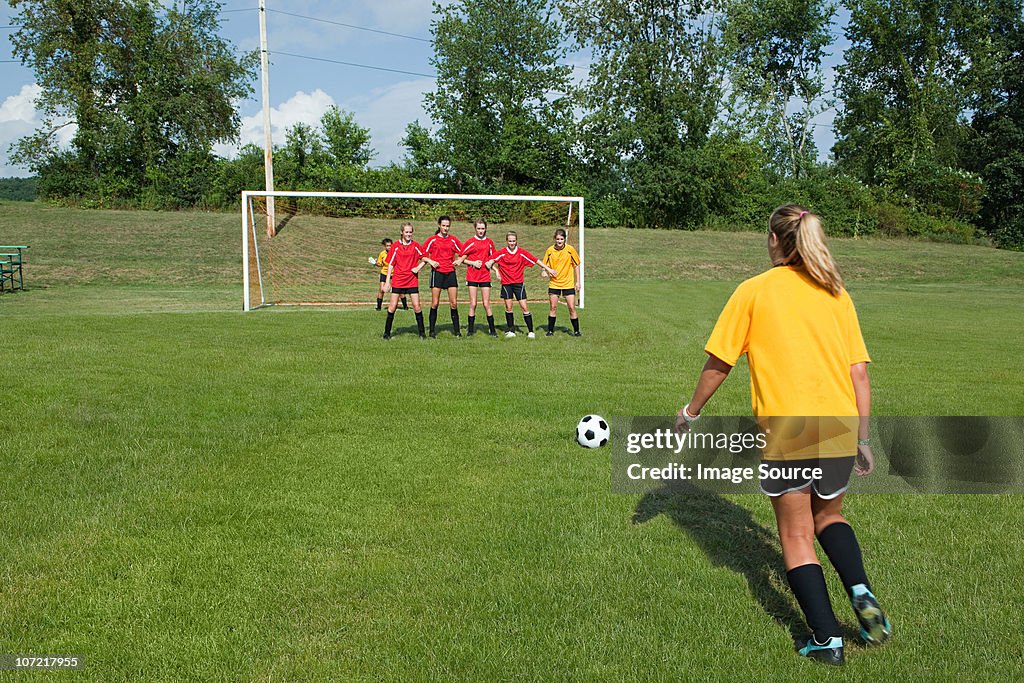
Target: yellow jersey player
x: 799, y: 330
x: 565, y: 262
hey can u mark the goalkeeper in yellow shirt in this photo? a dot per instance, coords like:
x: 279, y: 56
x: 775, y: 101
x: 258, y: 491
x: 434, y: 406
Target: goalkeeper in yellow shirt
x: 563, y: 259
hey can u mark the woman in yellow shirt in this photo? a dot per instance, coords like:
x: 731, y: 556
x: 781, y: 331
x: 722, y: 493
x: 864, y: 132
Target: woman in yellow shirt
x: 797, y: 325
x: 564, y: 260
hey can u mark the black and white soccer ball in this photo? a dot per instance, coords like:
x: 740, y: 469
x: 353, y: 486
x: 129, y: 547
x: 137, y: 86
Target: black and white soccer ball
x: 592, y: 432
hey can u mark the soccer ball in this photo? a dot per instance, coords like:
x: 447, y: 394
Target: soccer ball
x: 592, y: 432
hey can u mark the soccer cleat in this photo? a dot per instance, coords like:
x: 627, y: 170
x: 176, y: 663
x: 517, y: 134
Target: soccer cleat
x: 549, y: 333
x: 387, y: 336
x: 457, y: 334
x: 830, y: 652
x: 509, y: 334
x: 433, y: 335
x: 576, y: 334
x: 531, y: 335
x: 874, y: 624
x: 492, y: 334
x: 470, y: 334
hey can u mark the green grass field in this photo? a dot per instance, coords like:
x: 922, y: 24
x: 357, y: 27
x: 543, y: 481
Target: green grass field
x: 194, y: 493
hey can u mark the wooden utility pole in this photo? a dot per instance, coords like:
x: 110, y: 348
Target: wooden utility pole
x: 268, y: 145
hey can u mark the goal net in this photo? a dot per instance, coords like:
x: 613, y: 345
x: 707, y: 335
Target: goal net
x: 315, y: 248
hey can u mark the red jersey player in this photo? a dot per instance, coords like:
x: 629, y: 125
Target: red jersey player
x: 403, y: 277
x: 475, y: 251
x: 511, y: 262
x: 440, y: 251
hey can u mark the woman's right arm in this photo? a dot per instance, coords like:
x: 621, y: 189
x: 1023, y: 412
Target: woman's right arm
x: 862, y: 393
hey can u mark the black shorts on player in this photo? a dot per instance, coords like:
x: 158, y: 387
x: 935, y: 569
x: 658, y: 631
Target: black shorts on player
x: 516, y: 290
x: 439, y: 280
x: 383, y: 277
x: 478, y: 284
x: 835, y: 476
x: 405, y: 290
x: 561, y: 292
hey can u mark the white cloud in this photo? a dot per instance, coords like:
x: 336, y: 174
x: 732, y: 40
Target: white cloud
x: 384, y: 111
x: 299, y: 108
x: 18, y: 118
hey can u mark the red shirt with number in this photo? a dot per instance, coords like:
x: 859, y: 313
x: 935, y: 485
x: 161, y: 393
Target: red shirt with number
x: 511, y: 264
x: 478, y: 249
x: 443, y: 250
x: 404, y: 257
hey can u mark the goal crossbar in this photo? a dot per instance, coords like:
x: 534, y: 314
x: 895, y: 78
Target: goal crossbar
x: 248, y: 227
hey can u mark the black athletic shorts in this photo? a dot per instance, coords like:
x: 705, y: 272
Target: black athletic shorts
x: 405, y: 290
x: 516, y: 290
x: 441, y: 280
x: 561, y: 292
x: 478, y: 284
x: 784, y: 476
x: 383, y: 277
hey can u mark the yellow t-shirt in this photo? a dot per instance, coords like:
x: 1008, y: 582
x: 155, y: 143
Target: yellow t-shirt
x: 800, y: 342
x: 562, y: 261
x: 381, y: 261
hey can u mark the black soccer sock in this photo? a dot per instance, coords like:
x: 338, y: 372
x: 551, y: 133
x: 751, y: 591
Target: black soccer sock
x: 433, y: 321
x: 551, y: 323
x: 528, y: 319
x: 575, y: 324
x: 490, y: 324
x: 808, y: 584
x: 470, y: 324
x: 455, y: 321
x: 840, y: 544
x: 419, y: 321
x: 379, y: 302
x: 510, y: 322
x: 387, y: 325
x: 405, y: 304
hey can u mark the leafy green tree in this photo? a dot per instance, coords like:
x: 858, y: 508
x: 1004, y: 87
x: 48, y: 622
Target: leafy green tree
x: 501, y: 106
x: 150, y: 90
x: 778, y: 47
x: 331, y: 156
x: 905, y: 88
x: 652, y: 101
x: 345, y: 141
x: 996, y: 151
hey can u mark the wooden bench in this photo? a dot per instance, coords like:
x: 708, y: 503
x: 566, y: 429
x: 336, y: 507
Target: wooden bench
x: 12, y: 262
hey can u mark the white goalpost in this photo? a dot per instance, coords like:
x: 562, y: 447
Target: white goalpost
x: 318, y: 255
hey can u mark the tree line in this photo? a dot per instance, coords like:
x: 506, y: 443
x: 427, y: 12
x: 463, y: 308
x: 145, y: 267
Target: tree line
x: 683, y: 114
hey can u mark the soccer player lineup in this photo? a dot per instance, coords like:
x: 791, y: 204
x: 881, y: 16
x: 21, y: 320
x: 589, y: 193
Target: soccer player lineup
x: 401, y: 263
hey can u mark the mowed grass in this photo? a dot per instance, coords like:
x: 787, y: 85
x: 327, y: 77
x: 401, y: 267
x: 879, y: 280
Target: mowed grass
x: 194, y: 493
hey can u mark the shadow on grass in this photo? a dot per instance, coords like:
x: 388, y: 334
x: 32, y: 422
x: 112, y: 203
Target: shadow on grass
x: 730, y: 537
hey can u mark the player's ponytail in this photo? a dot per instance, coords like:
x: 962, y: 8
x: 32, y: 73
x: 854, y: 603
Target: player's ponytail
x: 802, y: 244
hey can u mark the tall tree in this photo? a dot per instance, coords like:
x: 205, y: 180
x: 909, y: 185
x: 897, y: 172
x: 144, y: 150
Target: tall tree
x: 905, y: 88
x: 778, y: 47
x: 149, y: 89
x: 501, y: 105
x: 996, y: 150
x: 652, y: 100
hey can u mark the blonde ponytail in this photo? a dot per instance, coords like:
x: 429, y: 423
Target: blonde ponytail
x: 802, y: 241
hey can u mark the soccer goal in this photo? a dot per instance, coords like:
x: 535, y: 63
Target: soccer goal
x: 315, y: 248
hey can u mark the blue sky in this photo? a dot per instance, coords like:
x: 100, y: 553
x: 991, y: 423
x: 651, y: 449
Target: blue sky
x: 305, y: 74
